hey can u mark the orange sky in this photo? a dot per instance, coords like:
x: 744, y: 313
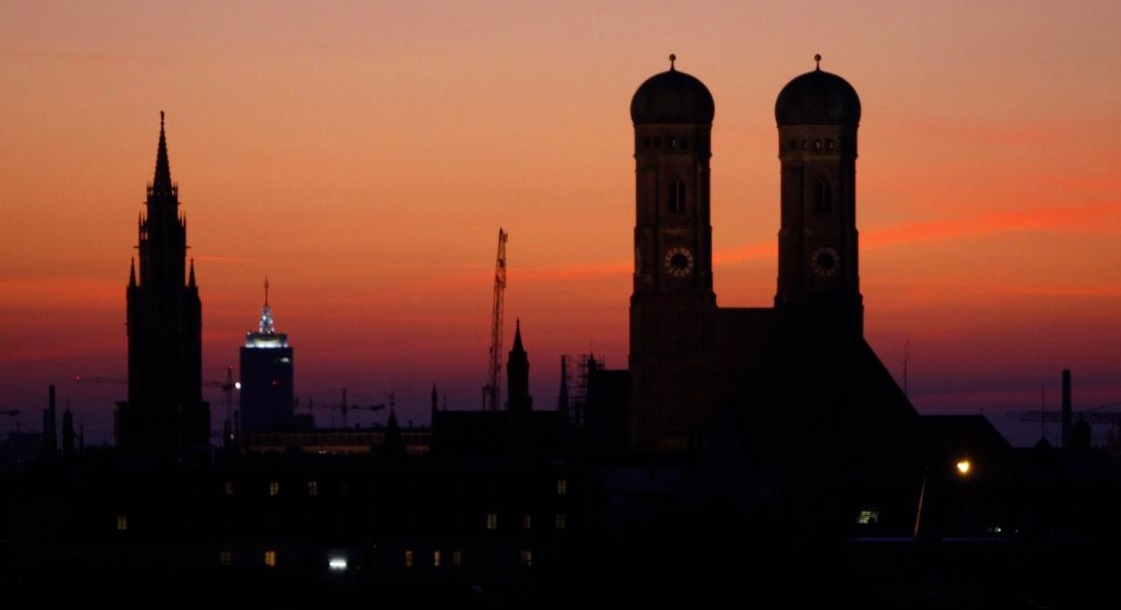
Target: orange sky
x: 363, y: 155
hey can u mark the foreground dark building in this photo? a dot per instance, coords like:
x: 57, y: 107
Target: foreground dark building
x: 165, y: 414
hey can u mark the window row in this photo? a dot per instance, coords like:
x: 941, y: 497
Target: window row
x: 560, y: 522
x: 812, y: 144
x: 672, y: 143
x: 312, y: 488
x: 410, y: 560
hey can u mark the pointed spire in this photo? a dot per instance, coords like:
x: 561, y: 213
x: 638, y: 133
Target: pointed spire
x: 132, y: 272
x: 191, y: 279
x: 517, y: 336
x: 161, y: 183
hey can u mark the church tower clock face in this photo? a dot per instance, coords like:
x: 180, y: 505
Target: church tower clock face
x: 825, y: 262
x: 679, y: 261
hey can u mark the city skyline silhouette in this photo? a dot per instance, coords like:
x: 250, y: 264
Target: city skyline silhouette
x: 745, y: 440
x: 996, y: 279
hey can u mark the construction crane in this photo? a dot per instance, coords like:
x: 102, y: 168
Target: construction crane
x: 492, y: 391
x: 227, y: 387
x: 344, y: 406
x: 97, y: 379
x: 1090, y: 415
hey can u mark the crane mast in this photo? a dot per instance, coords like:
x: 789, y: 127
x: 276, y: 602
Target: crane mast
x: 492, y: 390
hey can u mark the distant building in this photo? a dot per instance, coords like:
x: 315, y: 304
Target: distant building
x: 165, y: 414
x: 516, y: 432
x: 267, y: 399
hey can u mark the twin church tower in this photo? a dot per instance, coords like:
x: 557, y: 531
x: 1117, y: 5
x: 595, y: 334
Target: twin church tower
x: 799, y: 371
x: 782, y: 372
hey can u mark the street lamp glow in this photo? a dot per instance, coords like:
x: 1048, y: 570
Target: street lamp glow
x: 964, y: 466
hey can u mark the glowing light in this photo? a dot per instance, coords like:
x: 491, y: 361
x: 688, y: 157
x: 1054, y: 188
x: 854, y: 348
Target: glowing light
x: 964, y: 466
x: 337, y: 563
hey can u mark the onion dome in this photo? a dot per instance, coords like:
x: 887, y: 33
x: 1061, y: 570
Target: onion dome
x: 818, y: 98
x: 672, y: 97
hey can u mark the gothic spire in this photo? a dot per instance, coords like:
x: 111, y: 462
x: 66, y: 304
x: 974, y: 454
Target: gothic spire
x: 517, y: 337
x: 161, y: 183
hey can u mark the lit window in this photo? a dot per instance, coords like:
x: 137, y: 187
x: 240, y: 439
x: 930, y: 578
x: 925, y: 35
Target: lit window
x: 270, y: 559
x: 457, y: 558
x: 562, y: 487
x: 526, y: 523
x: 225, y: 558
x: 122, y: 523
x: 337, y: 564
x: 527, y: 558
x: 492, y: 521
x: 229, y: 488
x: 313, y: 488
x: 435, y: 559
x: 274, y: 488
x: 868, y: 517
x: 409, y: 558
x: 560, y: 521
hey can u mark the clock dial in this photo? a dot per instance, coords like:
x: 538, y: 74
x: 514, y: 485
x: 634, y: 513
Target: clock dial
x: 825, y: 261
x: 679, y: 261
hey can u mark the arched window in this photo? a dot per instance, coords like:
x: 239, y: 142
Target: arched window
x: 677, y: 197
x: 823, y: 198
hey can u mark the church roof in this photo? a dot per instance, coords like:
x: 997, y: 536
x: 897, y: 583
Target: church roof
x: 672, y: 97
x: 818, y: 98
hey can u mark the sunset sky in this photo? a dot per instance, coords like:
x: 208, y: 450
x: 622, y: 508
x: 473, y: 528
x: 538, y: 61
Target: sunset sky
x: 363, y: 156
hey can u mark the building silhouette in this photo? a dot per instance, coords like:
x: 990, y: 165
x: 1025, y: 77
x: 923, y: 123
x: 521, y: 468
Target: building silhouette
x: 267, y: 399
x: 516, y: 432
x: 165, y: 414
x: 763, y: 455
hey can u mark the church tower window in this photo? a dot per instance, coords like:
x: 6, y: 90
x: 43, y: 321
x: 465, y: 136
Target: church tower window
x: 677, y: 197
x: 823, y: 198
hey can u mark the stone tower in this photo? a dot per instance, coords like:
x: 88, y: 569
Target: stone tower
x: 165, y: 414
x: 673, y: 307
x: 818, y: 278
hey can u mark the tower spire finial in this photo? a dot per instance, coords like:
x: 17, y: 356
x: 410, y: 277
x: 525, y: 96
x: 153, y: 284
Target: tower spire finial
x: 817, y: 60
x: 161, y: 183
x: 266, y: 291
x: 672, y: 59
